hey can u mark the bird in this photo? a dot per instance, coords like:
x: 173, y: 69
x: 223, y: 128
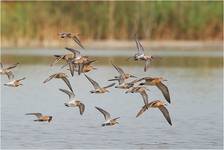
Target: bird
x: 71, y: 36
x: 62, y: 76
x: 122, y: 83
x: 109, y: 121
x: 156, y: 104
x: 85, y: 67
x: 122, y: 73
x: 65, y: 57
x: 15, y: 83
x: 157, y: 81
x: 73, y: 102
x: 141, y: 56
x: 7, y: 71
x: 40, y: 117
x: 98, y: 88
x: 141, y: 90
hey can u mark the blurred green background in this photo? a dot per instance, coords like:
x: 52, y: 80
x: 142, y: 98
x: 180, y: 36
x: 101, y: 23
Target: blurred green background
x: 42, y: 21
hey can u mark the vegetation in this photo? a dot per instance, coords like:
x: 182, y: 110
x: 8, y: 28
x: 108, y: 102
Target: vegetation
x: 113, y: 20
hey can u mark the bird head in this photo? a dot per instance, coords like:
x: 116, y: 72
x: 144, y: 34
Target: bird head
x: 50, y: 118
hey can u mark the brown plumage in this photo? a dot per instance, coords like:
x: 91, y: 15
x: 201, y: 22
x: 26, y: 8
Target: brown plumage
x: 41, y: 117
x: 156, y: 104
x: 15, y: 83
x: 62, y: 76
x: 7, y: 71
x: 158, y: 83
x: 74, y: 37
x: 140, y: 90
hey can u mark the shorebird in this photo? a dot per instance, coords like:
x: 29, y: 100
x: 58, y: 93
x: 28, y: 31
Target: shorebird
x: 71, y: 36
x: 41, y: 117
x: 122, y: 73
x: 73, y: 102
x: 7, y: 71
x: 141, y: 56
x: 122, y: 83
x: 98, y: 88
x: 62, y: 76
x: 65, y: 57
x: 158, y: 83
x: 156, y: 104
x: 109, y: 121
x: 141, y: 90
x: 15, y: 83
x: 85, y: 67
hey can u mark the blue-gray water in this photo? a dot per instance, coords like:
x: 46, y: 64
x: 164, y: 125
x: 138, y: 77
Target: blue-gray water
x: 196, y: 111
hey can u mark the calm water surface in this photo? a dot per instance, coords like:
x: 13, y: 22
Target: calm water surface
x: 196, y: 111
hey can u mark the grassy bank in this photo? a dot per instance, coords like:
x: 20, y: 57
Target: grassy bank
x: 41, y: 21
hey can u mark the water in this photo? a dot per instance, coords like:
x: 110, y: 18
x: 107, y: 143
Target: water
x: 196, y: 111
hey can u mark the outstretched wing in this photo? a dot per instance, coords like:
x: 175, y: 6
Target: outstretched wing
x: 76, y: 39
x: 163, y: 88
x: 38, y: 115
x: 146, y: 65
x: 165, y: 114
x: 58, y: 58
x: 75, y: 52
x: 105, y: 114
x: 144, y: 96
x: 10, y: 75
x: 21, y: 79
x: 67, y: 83
x: 81, y: 108
x: 13, y: 66
x: 119, y: 70
x: 70, y: 94
x: 49, y: 78
x: 142, y: 110
x: 110, y: 85
x: 139, y: 46
x: 94, y: 83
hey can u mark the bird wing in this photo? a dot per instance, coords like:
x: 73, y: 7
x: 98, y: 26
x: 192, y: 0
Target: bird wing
x: 139, y: 46
x: 58, y: 58
x: 38, y: 115
x: 163, y: 88
x: 71, y: 68
x: 13, y: 66
x: 144, y: 96
x: 165, y: 114
x: 146, y: 65
x: 21, y: 79
x: 76, y: 52
x: 70, y: 94
x: 142, y: 110
x: 50, y: 77
x: 10, y: 75
x: 81, y: 108
x: 77, y: 40
x: 94, y: 83
x: 1, y: 65
x: 105, y: 114
x: 67, y: 83
x: 110, y: 85
x: 119, y: 70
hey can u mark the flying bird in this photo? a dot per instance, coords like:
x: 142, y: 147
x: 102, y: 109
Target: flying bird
x: 62, y: 76
x: 141, y: 90
x: 41, y: 117
x: 140, y: 55
x: 158, y: 83
x: 7, y: 71
x: 98, y: 88
x: 122, y: 73
x: 109, y: 121
x: 156, y: 104
x: 69, y: 35
x: 15, y: 83
x: 73, y: 102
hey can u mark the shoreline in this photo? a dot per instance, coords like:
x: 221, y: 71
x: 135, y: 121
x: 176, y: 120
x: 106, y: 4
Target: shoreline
x: 119, y: 45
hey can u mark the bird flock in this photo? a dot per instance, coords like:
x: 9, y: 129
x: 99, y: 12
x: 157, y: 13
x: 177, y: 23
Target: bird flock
x: 76, y: 62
